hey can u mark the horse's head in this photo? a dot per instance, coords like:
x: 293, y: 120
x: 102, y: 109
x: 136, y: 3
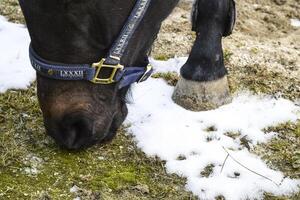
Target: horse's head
x: 78, y: 114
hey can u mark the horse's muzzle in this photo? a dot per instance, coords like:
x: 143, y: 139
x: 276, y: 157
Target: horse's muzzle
x: 77, y: 131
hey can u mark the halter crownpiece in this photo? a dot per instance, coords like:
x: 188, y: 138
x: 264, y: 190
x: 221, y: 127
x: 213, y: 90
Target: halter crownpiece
x: 92, y: 72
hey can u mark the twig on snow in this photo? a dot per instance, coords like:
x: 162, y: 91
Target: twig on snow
x: 229, y: 155
x: 224, y: 163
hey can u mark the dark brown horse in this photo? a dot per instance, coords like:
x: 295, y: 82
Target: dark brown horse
x: 78, y: 114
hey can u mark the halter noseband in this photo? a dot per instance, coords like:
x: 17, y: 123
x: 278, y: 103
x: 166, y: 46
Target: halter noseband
x: 123, y: 75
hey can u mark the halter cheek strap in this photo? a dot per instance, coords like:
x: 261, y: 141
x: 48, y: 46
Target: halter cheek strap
x: 76, y: 72
x: 92, y: 72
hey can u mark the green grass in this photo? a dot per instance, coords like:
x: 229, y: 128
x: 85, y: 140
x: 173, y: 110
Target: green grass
x: 170, y: 77
x: 162, y: 57
x: 32, y: 166
x: 283, y: 151
x: 259, y: 80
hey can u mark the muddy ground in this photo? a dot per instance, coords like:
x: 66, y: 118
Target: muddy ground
x: 262, y: 56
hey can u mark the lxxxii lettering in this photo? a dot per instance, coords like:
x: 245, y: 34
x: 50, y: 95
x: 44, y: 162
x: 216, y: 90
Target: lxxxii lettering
x: 72, y: 74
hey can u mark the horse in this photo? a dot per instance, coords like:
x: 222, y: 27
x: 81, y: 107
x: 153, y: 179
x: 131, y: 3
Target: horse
x: 77, y: 113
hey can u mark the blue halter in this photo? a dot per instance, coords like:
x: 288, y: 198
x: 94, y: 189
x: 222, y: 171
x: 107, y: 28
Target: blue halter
x: 125, y: 76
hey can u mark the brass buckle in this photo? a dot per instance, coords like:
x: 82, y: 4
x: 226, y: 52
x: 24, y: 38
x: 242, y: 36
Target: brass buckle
x: 148, y: 69
x: 100, y: 65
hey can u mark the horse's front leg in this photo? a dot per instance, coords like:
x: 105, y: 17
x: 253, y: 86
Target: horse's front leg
x: 203, y: 84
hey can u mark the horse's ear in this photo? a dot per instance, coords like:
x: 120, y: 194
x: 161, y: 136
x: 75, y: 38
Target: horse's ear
x: 231, y: 17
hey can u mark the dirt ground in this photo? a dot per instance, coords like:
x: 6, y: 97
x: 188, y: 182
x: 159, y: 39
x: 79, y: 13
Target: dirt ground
x: 263, y: 43
x: 262, y: 55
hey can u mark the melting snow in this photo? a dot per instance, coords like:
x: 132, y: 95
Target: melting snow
x: 15, y: 69
x: 163, y: 129
x: 295, y: 22
x: 74, y: 189
x: 170, y: 132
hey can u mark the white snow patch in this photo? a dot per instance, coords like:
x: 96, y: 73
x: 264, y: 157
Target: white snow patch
x: 295, y: 22
x: 101, y: 158
x: 173, y: 64
x: 31, y: 171
x: 33, y: 163
x: 74, y: 189
x: 163, y: 129
x: 15, y: 69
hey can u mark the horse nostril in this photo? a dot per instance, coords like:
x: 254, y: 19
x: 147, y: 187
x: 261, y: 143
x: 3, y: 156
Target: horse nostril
x: 76, y: 131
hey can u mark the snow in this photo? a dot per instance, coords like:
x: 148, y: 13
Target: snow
x: 295, y: 22
x: 74, y: 189
x: 173, y: 64
x: 163, y: 129
x: 33, y: 165
x: 15, y: 68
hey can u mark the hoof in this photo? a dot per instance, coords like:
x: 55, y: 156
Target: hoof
x: 201, y: 96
